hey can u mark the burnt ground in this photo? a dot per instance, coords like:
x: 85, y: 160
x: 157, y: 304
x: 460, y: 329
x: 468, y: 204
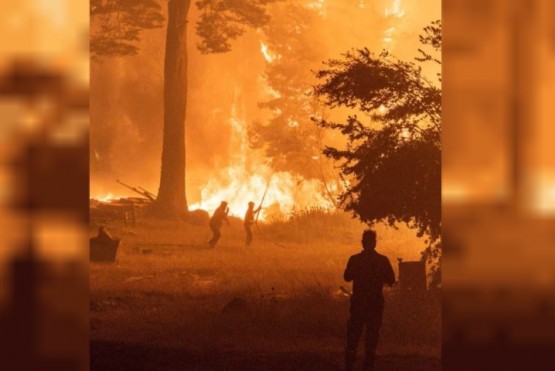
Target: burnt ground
x: 161, y: 306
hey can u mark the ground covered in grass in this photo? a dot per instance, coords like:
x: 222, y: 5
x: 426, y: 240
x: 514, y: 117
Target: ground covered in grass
x: 170, y: 302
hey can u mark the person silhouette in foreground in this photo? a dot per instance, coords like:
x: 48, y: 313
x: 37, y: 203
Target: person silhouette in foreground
x: 249, y: 221
x: 216, y: 222
x: 369, y: 271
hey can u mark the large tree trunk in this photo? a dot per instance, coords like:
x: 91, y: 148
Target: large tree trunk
x: 171, y: 202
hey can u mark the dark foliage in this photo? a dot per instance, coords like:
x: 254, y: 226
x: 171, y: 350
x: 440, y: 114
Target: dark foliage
x: 432, y: 37
x: 393, y: 165
x: 117, y: 25
x: 223, y: 21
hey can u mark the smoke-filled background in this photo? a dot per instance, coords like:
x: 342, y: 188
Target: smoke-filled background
x: 225, y: 93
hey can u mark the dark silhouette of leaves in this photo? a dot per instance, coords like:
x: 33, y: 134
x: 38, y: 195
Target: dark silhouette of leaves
x: 223, y: 21
x: 394, y: 165
x: 117, y: 25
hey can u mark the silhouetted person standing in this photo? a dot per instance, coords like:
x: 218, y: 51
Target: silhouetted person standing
x: 216, y: 222
x: 369, y: 271
x: 249, y: 221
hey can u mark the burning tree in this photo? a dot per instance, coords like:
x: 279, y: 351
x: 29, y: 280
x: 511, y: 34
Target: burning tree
x: 289, y: 138
x: 116, y: 28
x: 392, y: 166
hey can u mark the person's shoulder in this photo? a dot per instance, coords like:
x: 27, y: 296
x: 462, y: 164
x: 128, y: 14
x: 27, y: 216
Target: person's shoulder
x: 356, y: 256
x: 382, y: 257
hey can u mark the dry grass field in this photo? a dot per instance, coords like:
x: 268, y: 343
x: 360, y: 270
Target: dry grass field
x: 171, y: 303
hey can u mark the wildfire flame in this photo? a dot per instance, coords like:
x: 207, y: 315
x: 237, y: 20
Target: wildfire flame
x: 388, y: 35
x: 284, y: 192
x: 244, y: 181
x: 395, y: 10
x: 107, y: 197
x: 318, y: 4
x: 247, y: 177
x: 268, y: 55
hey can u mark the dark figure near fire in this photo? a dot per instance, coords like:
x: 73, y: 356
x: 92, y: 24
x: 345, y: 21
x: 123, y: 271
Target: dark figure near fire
x: 369, y: 271
x: 249, y: 221
x: 216, y: 223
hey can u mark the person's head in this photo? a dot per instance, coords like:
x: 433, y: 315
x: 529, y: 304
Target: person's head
x: 223, y: 205
x: 369, y: 239
x: 251, y: 205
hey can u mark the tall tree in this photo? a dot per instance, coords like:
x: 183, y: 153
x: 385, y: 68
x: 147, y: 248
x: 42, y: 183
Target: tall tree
x: 289, y: 138
x: 393, y: 163
x: 171, y: 200
x: 221, y: 21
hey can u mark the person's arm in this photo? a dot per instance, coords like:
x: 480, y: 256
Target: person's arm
x: 225, y: 216
x: 255, y: 215
x: 349, y: 273
x: 389, y: 274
